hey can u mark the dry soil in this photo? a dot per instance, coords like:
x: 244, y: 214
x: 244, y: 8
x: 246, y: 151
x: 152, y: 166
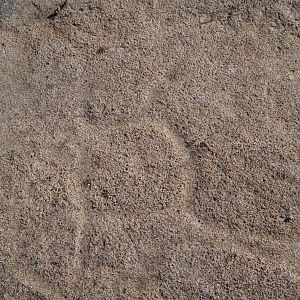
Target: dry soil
x: 149, y: 149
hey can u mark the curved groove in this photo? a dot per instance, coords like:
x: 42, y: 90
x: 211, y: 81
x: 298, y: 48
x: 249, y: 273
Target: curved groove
x: 233, y: 245
x: 182, y: 150
x: 187, y: 168
x: 191, y: 167
x: 232, y: 242
x: 37, y: 286
x: 81, y: 215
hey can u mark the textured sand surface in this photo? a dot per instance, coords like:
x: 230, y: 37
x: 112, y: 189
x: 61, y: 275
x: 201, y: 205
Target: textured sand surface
x: 149, y: 149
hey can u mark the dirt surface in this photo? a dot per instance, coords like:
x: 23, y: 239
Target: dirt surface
x: 149, y: 149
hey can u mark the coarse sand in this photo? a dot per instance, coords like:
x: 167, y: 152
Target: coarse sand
x: 149, y: 149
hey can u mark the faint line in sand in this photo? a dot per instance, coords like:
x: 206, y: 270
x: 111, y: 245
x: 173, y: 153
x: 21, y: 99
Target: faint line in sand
x: 37, y: 286
x: 232, y: 242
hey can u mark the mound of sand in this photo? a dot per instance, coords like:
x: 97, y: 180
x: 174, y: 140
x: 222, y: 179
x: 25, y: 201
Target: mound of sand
x: 149, y: 149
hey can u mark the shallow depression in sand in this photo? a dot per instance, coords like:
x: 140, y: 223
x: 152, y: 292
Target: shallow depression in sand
x: 133, y: 168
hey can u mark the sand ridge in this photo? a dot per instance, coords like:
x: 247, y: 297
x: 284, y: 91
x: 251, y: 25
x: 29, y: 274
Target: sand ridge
x: 150, y: 150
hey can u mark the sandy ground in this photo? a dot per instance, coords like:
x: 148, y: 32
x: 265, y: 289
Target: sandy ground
x: 149, y: 149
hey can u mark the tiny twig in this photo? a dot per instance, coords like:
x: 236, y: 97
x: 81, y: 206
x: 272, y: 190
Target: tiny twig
x: 37, y: 7
x: 57, y: 11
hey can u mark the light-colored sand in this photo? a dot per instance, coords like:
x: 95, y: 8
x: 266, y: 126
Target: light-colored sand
x: 149, y: 149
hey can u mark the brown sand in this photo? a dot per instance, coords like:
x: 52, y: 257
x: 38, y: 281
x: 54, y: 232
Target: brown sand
x: 149, y: 149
